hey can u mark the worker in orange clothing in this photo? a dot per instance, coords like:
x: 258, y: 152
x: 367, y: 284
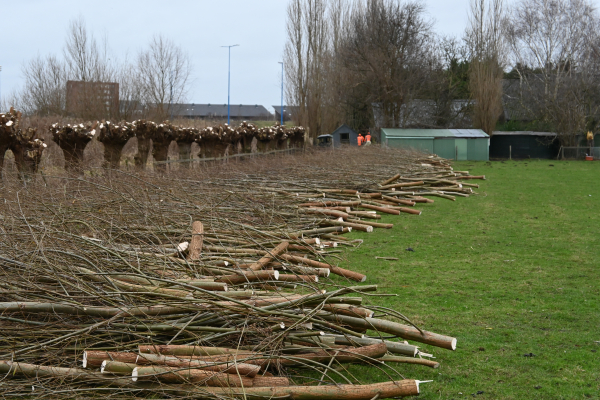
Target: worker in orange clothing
x: 360, y: 139
x: 368, y: 139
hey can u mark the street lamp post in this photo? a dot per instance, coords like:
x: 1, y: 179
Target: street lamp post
x: 229, y: 80
x: 281, y: 92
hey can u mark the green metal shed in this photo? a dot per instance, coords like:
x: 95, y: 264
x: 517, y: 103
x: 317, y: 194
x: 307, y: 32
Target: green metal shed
x: 455, y: 144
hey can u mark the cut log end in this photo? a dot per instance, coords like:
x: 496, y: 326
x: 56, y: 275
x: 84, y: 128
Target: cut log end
x: 369, y: 229
x: 453, y: 344
x: 364, y: 278
x: 134, y: 375
x: 84, y: 363
x: 102, y: 366
x: 181, y: 247
x: 276, y: 275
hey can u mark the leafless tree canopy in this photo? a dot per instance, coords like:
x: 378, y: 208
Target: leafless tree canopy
x: 164, y: 73
x: 158, y: 76
x: 554, y: 50
x: 486, y: 42
x: 356, y: 61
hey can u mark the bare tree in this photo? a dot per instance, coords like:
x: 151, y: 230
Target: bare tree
x: 304, y: 59
x: 44, y: 92
x: 485, y: 40
x: 89, y: 63
x: 86, y: 60
x: 388, y: 52
x: 553, y: 48
x: 164, y: 74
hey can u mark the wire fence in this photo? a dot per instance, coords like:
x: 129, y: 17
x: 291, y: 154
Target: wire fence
x: 578, y: 153
x: 228, y: 157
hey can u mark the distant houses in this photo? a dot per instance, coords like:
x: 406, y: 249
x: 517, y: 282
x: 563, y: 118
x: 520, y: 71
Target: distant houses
x: 247, y: 112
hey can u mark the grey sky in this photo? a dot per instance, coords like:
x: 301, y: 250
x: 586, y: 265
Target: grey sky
x: 200, y: 27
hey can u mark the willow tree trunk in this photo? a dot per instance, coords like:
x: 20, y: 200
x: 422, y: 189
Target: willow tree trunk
x: 141, y: 158
x: 160, y: 152
x: 112, y: 154
x: 3, y: 148
x: 185, y: 154
x: 73, y: 153
x: 25, y: 161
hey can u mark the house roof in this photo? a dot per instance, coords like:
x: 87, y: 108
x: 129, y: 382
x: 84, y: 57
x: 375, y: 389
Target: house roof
x: 523, y: 133
x: 435, y: 133
x: 220, y: 110
x: 345, y: 128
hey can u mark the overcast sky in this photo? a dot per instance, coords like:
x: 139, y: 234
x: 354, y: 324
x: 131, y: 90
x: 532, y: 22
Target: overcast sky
x: 200, y: 27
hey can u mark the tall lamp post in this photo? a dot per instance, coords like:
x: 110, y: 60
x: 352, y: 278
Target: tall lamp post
x: 229, y: 80
x: 281, y: 92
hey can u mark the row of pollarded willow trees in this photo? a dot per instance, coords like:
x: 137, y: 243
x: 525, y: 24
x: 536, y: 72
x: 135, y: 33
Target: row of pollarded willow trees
x: 214, y: 142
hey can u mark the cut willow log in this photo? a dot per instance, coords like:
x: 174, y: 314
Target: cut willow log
x: 392, y: 179
x: 348, y: 309
x: 270, y: 256
x: 183, y: 350
x: 373, y: 224
x: 343, y: 355
x: 380, y: 209
x: 399, y: 201
x: 249, y: 276
x: 355, y: 276
x: 402, y: 185
x: 117, y: 367
x: 9, y: 368
x: 316, y: 231
x: 195, y: 249
x: 243, y: 369
x: 324, y: 211
x: 298, y: 278
x: 404, y: 388
x: 94, y: 359
x: 181, y: 375
x: 206, y: 285
x: 358, y: 227
x: 392, y: 347
x: 61, y: 308
x: 404, y: 331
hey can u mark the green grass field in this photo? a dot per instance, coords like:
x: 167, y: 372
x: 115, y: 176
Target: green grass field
x: 511, y: 271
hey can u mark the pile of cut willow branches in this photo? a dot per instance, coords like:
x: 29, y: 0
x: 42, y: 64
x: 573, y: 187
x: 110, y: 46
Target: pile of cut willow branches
x: 224, y: 284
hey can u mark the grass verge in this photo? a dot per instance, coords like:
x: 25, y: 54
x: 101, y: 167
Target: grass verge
x: 512, y: 272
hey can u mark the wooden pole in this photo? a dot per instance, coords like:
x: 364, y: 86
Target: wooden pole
x: 281, y: 248
x: 195, y: 249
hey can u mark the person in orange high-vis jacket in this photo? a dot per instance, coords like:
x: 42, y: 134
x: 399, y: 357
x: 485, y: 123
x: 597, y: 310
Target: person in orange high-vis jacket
x: 368, y: 138
x: 360, y: 139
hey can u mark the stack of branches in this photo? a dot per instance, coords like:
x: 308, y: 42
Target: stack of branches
x: 24, y: 143
x: 222, y: 285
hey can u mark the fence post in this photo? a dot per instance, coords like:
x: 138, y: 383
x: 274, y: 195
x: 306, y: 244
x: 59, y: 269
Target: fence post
x: 510, y: 151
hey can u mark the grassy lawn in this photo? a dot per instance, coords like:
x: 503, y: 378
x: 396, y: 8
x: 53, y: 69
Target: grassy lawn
x: 511, y: 271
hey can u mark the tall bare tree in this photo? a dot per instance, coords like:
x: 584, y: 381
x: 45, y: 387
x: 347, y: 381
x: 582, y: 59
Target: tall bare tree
x: 388, y: 50
x: 486, y: 43
x: 44, y: 92
x: 86, y: 59
x: 164, y: 74
x: 304, y: 60
x: 553, y: 47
